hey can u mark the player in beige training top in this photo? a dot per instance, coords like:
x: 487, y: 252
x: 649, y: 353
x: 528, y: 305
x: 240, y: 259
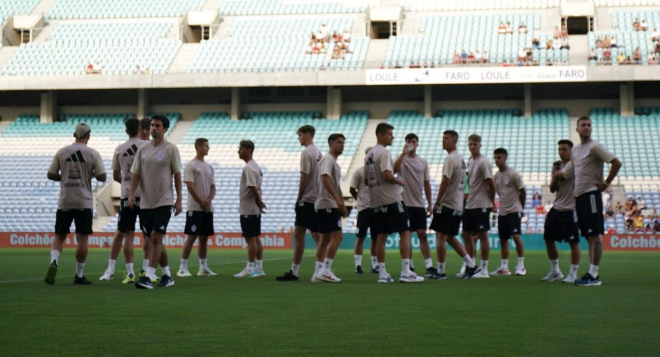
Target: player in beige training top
x: 250, y: 209
x: 588, y: 162
x: 448, y: 208
x: 561, y: 222
x: 154, y: 167
x: 330, y: 210
x: 511, y: 189
x: 417, y: 196
x: 75, y: 166
x: 479, y: 203
x: 307, y: 193
x: 365, y: 219
x: 390, y: 211
x: 200, y: 181
x: 122, y: 160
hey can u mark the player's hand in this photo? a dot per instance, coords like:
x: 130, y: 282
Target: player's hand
x: 131, y: 200
x: 429, y: 211
x: 602, y: 186
x: 341, y: 207
x: 402, y: 183
x: 177, y: 207
x: 262, y: 206
x: 558, y: 176
x: 495, y: 209
x: 405, y: 149
x: 435, y: 207
x: 206, y: 206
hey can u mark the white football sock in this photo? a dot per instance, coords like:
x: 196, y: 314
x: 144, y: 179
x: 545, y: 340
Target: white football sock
x: 129, y: 268
x: 521, y: 262
x: 184, y: 264
x: 593, y: 270
x: 468, y: 262
x: 295, y: 268
x: 151, y: 272
x: 441, y: 268
x: 484, y: 265
x: 429, y: 263
x: 554, y: 265
x: 358, y: 260
x: 54, y: 256
x: 574, y: 269
x: 405, y: 266
x: 412, y: 265
x: 202, y: 264
x: 327, y: 266
x: 505, y: 264
x: 318, y: 268
x: 374, y: 262
x: 166, y: 271
x: 250, y: 266
x: 145, y: 264
x: 260, y: 265
x: 111, y: 265
x: 79, y: 269
x: 381, y: 269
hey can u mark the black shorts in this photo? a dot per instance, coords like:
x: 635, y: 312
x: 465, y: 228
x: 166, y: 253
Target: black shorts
x: 509, y: 225
x: 155, y: 219
x: 251, y: 225
x: 128, y: 216
x: 446, y: 221
x: 561, y: 226
x: 83, y: 218
x: 476, y: 220
x: 392, y: 218
x: 366, y: 221
x: 417, y: 218
x: 589, y: 207
x: 329, y: 220
x: 199, y: 223
x: 306, y: 216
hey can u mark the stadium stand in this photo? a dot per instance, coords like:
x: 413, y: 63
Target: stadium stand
x: 280, y: 7
x: 470, y: 5
x: 628, y: 40
x: 115, y: 48
x: 445, y: 36
x: 9, y: 8
x: 112, y: 9
x: 26, y: 190
x: 626, y: 3
x: 278, y: 45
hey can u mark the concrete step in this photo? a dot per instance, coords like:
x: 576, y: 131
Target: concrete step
x: 376, y: 54
x: 43, y: 7
x: 6, y: 53
x: 99, y: 223
x: 579, y: 52
x: 179, y: 131
x: 184, y: 56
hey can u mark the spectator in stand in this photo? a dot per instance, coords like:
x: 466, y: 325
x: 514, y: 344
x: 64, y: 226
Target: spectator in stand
x: 457, y: 58
x: 656, y: 225
x: 536, y: 63
x: 643, y: 26
x: 397, y: 65
x: 529, y: 56
x: 599, y: 42
x: 614, y: 42
x: 548, y: 45
x: 619, y: 208
x: 477, y: 57
x: 530, y: 230
x: 636, y: 25
x: 347, y: 36
x: 629, y: 61
x: 521, y: 63
x: 536, y: 200
x: 648, y: 229
x: 522, y: 28
x: 592, y: 55
x: 564, y: 31
x: 323, y: 50
x: 655, y: 35
x: 522, y: 54
x: 557, y: 33
x: 471, y: 59
x: 324, y: 33
x: 657, y: 47
x: 486, y: 57
x: 548, y: 62
x: 334, y: 36
x: 548, y: 207
x: 412, y: 64
x: 638, y: 222
x: 606, y: 197
x: 539, y: 210
x: 97, y: 68
x: 138, y: 70
x: 652, y: 59
x: 611, y: 230
x: 426, y: 64
x: 509, y: 28
x: 641, y: 203
x: 464, y: 56
x: 335, y: 52
x: 609, y: 212
x: 501, y: 29
x: 637, y: 56
x: 621, y: 58
x: 607, y: 55
x: 536, y: 43
x: 556, y: 44
x: 316, y: 49
x: 505, y: 64
x: 90, y: 68
x: 564, y: 44
x: 340, y: 38
x: 606, y: 42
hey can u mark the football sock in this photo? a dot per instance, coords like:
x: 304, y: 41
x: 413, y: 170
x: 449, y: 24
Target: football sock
x: 593, y: 270
x: 184, y: 264
x: 429, y: 263
x: 250, y: 266
x: 54, y: 256
x: 295, y: 268
x: 260, y: 265
x: 202, y: 264
x: 574, y: 269
x: 111, y: 265
x: 468, y: 262
x: 505, y: 264
x: 521, y: 262
x: 79, y: 269
x: 405, y: 266
x: 381, y: 269
x: 145, y: 264
x: 441, y: 268
x: 129, y: 268
x: 166, y: 271
x: 554, y: 265
x: 318, y: 269
x: 484, y: 265
x: 374, y: 262
x: 327, y: 266
x: 358, y: 260
x: 151, y: 272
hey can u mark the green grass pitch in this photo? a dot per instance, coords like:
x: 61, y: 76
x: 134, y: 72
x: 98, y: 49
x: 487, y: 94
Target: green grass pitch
x: 225, y: 316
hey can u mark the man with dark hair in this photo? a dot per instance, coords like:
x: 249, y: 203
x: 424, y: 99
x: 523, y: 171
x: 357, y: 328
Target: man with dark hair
x: 200, y: 181
x: 330, y: 210
x: 74, y: 165
x: 251, y: 207
x: 561, y: 223
x: 122, y: 161
x: 307, y: 192
x: 389, y: 209
x: 511, y: 189
x: 417, y: 176
x: 480, y: 200
x: 588, y: 161
x: 145, y: 128
x: 155, y: 165
x: 448, y: 208
x: 365, y: 219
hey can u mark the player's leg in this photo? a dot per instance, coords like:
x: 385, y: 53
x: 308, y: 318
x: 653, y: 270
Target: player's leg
x: 372, y: 251
x: 115, y: 248
x: 520, y: 251
x: 335, y: 238
x: 129, y: 252
x: 575, y: 261
x: 321, y: 250
x: 441, y: 253
x: 357, y: 253
x: 185, y: 255
x: 83, y: 220
x: 405, y: 248
x: 553, y: 254
x: 63, y: 221
x: 425, y: 248
x: 252, y: 248
x: 202, y: 253
x: 471, y: 268
x: 590, y: 208
x: 259, y: 257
